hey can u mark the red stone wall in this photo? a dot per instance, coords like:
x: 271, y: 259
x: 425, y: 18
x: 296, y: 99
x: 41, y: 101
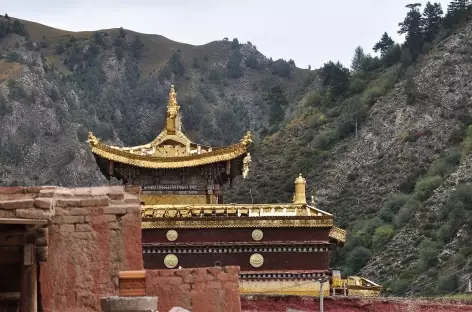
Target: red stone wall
x: 198, y: 290
x: 95, y: 233
x: 308, y: 304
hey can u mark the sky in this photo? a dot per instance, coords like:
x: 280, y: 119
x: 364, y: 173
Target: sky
x: 311, y: 32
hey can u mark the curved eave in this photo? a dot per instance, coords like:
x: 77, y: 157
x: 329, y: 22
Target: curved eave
x: 338, y: 235
x: 223, y: 154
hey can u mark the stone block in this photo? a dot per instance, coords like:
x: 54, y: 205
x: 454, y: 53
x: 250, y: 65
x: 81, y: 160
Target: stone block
x: 8, y: 190
x: 111, y: 218
x: 78, y: 211
x: 166, y: 273
x: 114, y: 226
x: 115, y: 210
x: 132, y: 200
x: 83, y: 191
x: 17, y: 203
x: 116, y: 193
x: 68, y: 219
x: 43, y: 203
x: 214, y: 271
x: 83, y: 228
x: 63, y: 192
x: 100, y: 191
x: 61, y: 212
x: 67, y: 202
x: 32, y: 189
x: 48, y: 193
x: 68, y: 228
x: 93, y: 202
x: 129, y: 304
x: 231, y: 269
x: 32, y: 213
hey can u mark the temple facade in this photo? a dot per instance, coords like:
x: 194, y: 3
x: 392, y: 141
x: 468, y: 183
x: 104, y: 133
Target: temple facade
x: 280, y: 248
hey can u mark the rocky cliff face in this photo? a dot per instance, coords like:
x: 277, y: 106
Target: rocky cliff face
x: 398, y: 183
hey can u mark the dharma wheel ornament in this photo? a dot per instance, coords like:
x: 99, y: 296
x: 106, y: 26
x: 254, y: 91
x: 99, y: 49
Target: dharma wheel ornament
x: 172, y: 235
x: 256, y: 260
x: 171, y: 261
x: 257, y: 235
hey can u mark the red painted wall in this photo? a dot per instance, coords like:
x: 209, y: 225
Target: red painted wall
x: 272, y: 260
x: 198, y: 290
x: 308, y: 304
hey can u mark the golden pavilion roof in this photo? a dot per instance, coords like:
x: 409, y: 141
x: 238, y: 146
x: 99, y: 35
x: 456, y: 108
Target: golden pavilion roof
x: 171, y: 148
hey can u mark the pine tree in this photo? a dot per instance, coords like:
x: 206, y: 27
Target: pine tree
x: 336, y: 77
x: 384, y: 44
x: 456, y: 13
x: 432, y: 20
x: 411, y: 26
x: 358, y: 58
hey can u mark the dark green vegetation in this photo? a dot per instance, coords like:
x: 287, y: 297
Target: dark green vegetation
x: 385, y: 145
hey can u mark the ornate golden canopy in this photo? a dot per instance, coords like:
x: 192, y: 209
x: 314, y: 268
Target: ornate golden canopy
x: 171, y: 148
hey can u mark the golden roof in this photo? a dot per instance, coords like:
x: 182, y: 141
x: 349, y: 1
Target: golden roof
x: 171, y: 148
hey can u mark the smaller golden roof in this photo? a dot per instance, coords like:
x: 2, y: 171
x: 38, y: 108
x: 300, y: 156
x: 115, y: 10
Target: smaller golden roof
x: 171, y: 148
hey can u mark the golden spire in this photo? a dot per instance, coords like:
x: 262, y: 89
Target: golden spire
x: 173, y: 112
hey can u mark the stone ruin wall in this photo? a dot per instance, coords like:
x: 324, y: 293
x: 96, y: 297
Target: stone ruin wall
x: 198, y: 290
x: 91, y: 235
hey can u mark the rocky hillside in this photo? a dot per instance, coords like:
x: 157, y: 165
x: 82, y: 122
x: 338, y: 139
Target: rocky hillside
x: 385, y: 146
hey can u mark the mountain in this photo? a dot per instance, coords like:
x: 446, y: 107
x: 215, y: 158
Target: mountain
x: 385, y: 146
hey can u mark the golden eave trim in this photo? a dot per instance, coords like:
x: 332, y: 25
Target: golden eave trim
x: 338, y: 234
x: 169, y: 162
x: 145, y: 161
x: 267, y: 223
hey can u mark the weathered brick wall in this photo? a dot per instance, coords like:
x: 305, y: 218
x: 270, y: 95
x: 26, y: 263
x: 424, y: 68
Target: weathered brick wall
x: 262, y: 303
x: 94, y: 233
x: 198, y: 290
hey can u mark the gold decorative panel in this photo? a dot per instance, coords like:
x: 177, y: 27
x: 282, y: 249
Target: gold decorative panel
x: 257, y: 235
x: 283, y: 287
x: 171, y: 261
x: 256, y: 260
x: 172, y: 235
x: 172, y: 199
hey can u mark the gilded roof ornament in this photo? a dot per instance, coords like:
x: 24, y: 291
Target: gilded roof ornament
x: 246, y: 163
x: 92, y: 139
x: 300, y: 179
x: 247, y: 139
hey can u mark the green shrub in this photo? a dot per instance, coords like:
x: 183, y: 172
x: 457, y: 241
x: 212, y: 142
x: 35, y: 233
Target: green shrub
x: 425, y: 187
x: 399, y: 286
x: 392, y: 205
x: 357, y: 85
x: 467, y: 143
x: 381, y: 236
x: 326, y: 139
x: 448, y: 284
x: 445, y: 164
x: 372, y: 94
x: 406, y: 212
x: 14, y: 57
x: 358, y: 257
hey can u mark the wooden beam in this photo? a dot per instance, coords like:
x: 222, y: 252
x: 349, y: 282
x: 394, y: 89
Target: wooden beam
x: 10, y: 296
x: 22, y: 221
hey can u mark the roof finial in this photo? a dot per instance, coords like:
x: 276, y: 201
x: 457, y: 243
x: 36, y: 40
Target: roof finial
x: 172, y: 96
x: 173, y: 119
